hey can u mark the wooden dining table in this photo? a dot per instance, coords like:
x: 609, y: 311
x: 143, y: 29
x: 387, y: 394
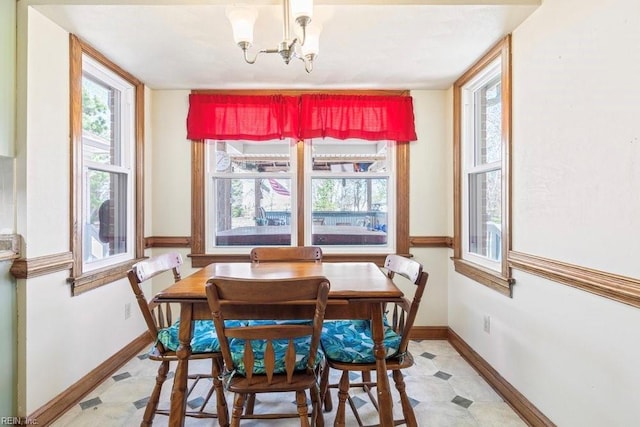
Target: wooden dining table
x: 359, y: 290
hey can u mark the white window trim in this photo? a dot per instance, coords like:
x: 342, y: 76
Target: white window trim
x: 468, y: 141
x: 127, y: 138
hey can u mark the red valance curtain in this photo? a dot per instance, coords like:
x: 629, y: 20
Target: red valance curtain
x: 372, y: 118
x: 268, y: 117
x: 248, y: 117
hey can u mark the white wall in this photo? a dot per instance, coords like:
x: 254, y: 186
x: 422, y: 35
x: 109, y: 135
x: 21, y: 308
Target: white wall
x: 169, y: 177
x: 8, y: 73
x: 576, y: 170
x: 171, y: 160
x: 8, y: 361
x: 428, y: 199
x: 579, y: 89
x: 60, y: 338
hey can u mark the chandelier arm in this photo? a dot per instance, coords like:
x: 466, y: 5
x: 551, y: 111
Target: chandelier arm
x: 245, y: 52
x: 292, y: 46
x: 304, y: 34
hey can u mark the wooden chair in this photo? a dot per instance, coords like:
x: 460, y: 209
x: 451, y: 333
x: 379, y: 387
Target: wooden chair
x: 286, y: 253
x: 265, y: 355
x: 354, y: 352
x: 165, y: 337
x: 280, y: 254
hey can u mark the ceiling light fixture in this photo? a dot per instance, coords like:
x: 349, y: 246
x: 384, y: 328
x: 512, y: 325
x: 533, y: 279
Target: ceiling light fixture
x: 305, y: 47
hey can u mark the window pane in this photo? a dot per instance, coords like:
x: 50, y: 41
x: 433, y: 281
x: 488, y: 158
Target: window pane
x: 349, y: 156
x: 485, y: 214
x: 105, y: 233
x: 252, y: 211
x: 349, y: 211
x: 250, y: 157
x: 250, y: 192
x: 100, y: 124
x: 488, y: 108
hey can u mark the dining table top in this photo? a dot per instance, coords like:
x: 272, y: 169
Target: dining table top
x: 348, y: 280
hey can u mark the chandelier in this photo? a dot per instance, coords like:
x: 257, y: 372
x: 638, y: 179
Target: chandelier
x: 304, y: 46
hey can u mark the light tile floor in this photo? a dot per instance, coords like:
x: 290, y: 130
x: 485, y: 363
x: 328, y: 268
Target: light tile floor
x: 444, y: 389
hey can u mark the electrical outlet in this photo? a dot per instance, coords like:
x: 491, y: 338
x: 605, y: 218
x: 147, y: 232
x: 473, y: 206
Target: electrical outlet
x: 487, y: 323
x: 127, y: 310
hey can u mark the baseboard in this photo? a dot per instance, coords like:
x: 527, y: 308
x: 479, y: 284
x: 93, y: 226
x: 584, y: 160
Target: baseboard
x: 429, y: 333
x: 525, y: 409
x: 55, y: 408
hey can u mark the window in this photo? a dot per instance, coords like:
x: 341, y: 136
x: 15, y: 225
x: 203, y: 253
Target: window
x: 253, y: 190
x: 106, y: 140
x: 482, y: 111
x: 249, y: 193
x: 351, y: 193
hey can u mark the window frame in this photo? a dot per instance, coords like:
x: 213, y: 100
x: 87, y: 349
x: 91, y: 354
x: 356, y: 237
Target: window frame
x: 199, y: 256
x: 83, y: 279
x: 390, y: 175
x: 496, y: 276
x: 211, y: 175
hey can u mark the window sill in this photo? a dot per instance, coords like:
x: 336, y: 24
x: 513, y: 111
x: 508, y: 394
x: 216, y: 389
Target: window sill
x: 96, y: 278
x: 202, y: 260
x: 484, y: 276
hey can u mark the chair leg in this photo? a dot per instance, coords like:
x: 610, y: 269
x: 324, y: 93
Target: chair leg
x: 238, y: 405
x: 301, y: 401
x: 250, y: 405
x: 221, y: 400
x: 152, y: 405
x: 317, y: 417
x: 407, y: 410
x: 343, y: 394
x: 366, y: 376
x: 325, y: 394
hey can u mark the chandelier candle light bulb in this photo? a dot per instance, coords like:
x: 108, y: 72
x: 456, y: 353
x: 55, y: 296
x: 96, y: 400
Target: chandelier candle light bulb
x: 243, y: 19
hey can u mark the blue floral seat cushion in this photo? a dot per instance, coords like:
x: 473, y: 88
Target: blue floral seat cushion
x: 301, y: 346
x: 351, y: 341
x: 204, y: 338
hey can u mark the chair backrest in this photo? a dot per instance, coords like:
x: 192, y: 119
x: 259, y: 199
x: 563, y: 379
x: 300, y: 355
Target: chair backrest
x: 286, y: 253
x: 305, y: 300
x: 404, y: 314
x: 156, y: 316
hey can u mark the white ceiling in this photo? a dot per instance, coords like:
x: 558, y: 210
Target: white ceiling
x: 364, y: 44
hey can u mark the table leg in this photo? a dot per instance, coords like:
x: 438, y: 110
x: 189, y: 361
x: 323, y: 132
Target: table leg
x: 383, y: 390
x: 179, y: 391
